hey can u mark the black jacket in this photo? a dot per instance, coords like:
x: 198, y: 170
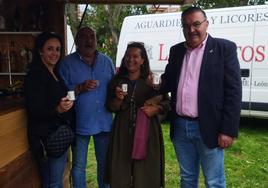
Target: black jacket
x: 42, y: 94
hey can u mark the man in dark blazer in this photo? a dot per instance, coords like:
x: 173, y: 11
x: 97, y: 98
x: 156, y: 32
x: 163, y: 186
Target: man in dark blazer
x: 203, y: 76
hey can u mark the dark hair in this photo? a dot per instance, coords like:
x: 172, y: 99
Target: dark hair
x: 40, y: 41
x: 191, y: 10
x: 145, y: 68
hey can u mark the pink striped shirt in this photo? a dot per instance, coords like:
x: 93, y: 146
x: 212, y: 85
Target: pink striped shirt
x: 187, y: 93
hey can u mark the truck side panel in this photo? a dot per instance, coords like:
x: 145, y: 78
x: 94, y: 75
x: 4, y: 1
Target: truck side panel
x: 246, y: 26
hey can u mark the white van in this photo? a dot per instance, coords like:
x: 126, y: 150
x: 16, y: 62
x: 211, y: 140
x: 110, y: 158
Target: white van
x: 246, y: 26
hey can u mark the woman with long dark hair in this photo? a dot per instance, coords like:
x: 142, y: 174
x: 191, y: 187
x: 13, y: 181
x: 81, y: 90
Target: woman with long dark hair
x: 47, y: 106
x: 123, y: 170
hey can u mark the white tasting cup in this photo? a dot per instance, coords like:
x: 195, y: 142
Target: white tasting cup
x: 156, y: 79
x: 124, y: 87
x: 71, y: 95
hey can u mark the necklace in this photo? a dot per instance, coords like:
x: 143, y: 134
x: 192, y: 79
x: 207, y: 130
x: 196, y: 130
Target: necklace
x: 133, y: 110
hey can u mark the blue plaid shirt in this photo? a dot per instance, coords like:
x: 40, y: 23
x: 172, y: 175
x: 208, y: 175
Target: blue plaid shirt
x: 91, y: 114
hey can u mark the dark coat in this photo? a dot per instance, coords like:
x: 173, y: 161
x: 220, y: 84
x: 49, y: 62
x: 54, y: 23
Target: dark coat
x: 219, y: 88
x: 42, y: 94
x: 120, y: 166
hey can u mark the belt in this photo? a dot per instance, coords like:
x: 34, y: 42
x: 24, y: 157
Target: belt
x: 188, y: 118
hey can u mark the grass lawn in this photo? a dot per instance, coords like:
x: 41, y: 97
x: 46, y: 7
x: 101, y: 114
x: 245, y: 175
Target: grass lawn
x: 246, y: 162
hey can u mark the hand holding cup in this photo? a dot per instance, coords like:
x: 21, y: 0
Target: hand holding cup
x: 121, y: 92
x: 90, y: 84
x: 64, y: 105
x: 71, y: 95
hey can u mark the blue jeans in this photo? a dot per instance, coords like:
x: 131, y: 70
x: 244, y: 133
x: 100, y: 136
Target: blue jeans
x: 80, y: 150
x: 191, y: 152
x: 52, y: 170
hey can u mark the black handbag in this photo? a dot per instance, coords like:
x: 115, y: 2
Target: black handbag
x: 57, y: 142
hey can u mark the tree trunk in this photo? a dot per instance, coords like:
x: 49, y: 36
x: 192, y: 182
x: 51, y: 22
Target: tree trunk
x: 113, y: 13
x: 72, y: 16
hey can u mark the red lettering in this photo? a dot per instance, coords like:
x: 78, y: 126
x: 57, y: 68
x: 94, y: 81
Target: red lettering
x: 260, y: 51
x: 161, y: 58
x: 247, y: 53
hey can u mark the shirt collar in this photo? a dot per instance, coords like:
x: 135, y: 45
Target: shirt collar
x: 81, y: 57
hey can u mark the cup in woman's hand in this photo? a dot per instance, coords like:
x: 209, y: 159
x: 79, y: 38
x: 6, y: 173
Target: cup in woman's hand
x: 156, y: 79
x: 124, y: 87
x: 71, y: 95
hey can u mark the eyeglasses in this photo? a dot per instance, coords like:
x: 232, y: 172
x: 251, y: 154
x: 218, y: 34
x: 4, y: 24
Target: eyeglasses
x: 195, y: 25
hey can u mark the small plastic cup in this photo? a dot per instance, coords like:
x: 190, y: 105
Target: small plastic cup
x: 71, y: 95
x: 97, y: 82
x: 124, y: 87
x: 156, y: 79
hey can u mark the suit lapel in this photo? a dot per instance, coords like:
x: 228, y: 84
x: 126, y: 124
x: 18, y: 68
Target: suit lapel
x: 208, y: 53
x: 179, y: 60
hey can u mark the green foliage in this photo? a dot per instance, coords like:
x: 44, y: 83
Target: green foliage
x: 256, y: 2
x: 98, y: 18
x: 206, y: 4
x: 71, y: 17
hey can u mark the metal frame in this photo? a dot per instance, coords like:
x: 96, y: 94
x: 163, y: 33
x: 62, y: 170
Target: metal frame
x: 177, y: 2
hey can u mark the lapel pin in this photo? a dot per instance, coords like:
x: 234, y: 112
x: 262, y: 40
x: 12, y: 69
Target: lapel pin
x: 210, y: 51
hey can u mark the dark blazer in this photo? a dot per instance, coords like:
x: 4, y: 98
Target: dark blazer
x: 219, y: 88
